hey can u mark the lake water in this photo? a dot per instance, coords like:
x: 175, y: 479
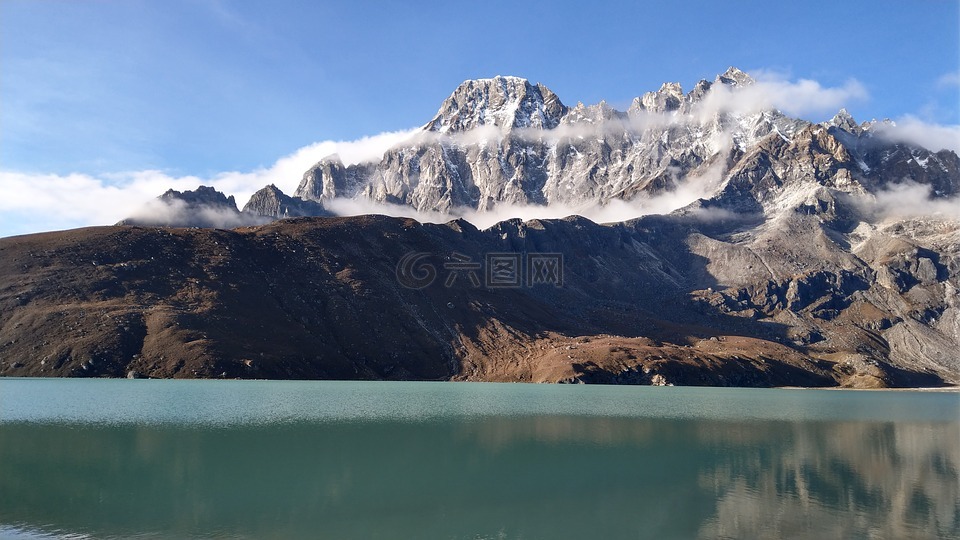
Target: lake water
x: 273, y: 459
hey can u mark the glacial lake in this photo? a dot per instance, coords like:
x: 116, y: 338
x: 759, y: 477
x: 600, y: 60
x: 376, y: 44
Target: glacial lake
x: 288, y: 459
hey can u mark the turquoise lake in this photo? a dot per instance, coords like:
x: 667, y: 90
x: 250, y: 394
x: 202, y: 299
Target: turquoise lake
x: 288, y: 459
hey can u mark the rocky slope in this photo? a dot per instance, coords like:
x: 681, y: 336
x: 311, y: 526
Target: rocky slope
x: 659, y: 300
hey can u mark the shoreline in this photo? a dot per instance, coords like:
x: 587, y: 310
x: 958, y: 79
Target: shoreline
x: 908, y: 388
x: 944, y: 389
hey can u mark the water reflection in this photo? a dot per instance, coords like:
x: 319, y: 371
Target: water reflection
x: 884, y: 480
x: 507, y: 477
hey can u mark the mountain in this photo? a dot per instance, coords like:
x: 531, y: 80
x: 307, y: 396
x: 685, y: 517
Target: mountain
x: 787, y: 253
x: 658, y: 300
x: 505, y: 142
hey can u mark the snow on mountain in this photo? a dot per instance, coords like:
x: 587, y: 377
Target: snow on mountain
x: 507, y: 142
x: 504, y: 102
x: 504, y: 143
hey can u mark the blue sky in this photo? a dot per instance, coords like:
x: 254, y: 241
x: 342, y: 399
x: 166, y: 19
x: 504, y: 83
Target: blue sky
x: 105, y: 89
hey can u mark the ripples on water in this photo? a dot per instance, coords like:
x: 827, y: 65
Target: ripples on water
x: 222, y: 459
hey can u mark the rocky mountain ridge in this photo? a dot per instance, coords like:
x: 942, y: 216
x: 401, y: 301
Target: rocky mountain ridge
x: 501, y: 143
x: 505, y: 141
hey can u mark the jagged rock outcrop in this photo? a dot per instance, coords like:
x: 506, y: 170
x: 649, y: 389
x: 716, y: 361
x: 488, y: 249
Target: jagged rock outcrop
x: 273, y: 203
x: 202, y: 207
x: 329, y: 179
x: 506, y: 103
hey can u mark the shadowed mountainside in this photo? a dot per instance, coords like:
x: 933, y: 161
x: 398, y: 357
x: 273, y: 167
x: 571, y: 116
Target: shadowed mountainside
x: 658, y: 300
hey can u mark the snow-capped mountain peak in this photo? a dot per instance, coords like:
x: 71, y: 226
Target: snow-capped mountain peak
x: 845, y: 121
x: 504, y: 102
x: 734, y: 77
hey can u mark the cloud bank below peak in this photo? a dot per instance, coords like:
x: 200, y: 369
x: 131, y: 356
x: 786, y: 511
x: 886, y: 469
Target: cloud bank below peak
x: 934, y: 137
x: 35, y: 202
x: 771, y: 90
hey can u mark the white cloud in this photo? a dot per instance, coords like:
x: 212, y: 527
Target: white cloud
x: 799, y: 99
x: 702, y: 185
x: 36, y: 202
x: 912, y: 130
x: 686, y: 191
x: 611, y: 212
x: 177, y: 213
x: 357, y: 207
x: 287, y: 172
x: 910, y: 200
x: 949, y: 80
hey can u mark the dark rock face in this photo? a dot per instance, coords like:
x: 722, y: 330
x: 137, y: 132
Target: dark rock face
x: 202, y: 196
x: 659, y: 300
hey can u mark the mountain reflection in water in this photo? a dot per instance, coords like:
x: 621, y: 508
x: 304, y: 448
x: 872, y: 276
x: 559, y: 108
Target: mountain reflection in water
x: 477, y: 476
